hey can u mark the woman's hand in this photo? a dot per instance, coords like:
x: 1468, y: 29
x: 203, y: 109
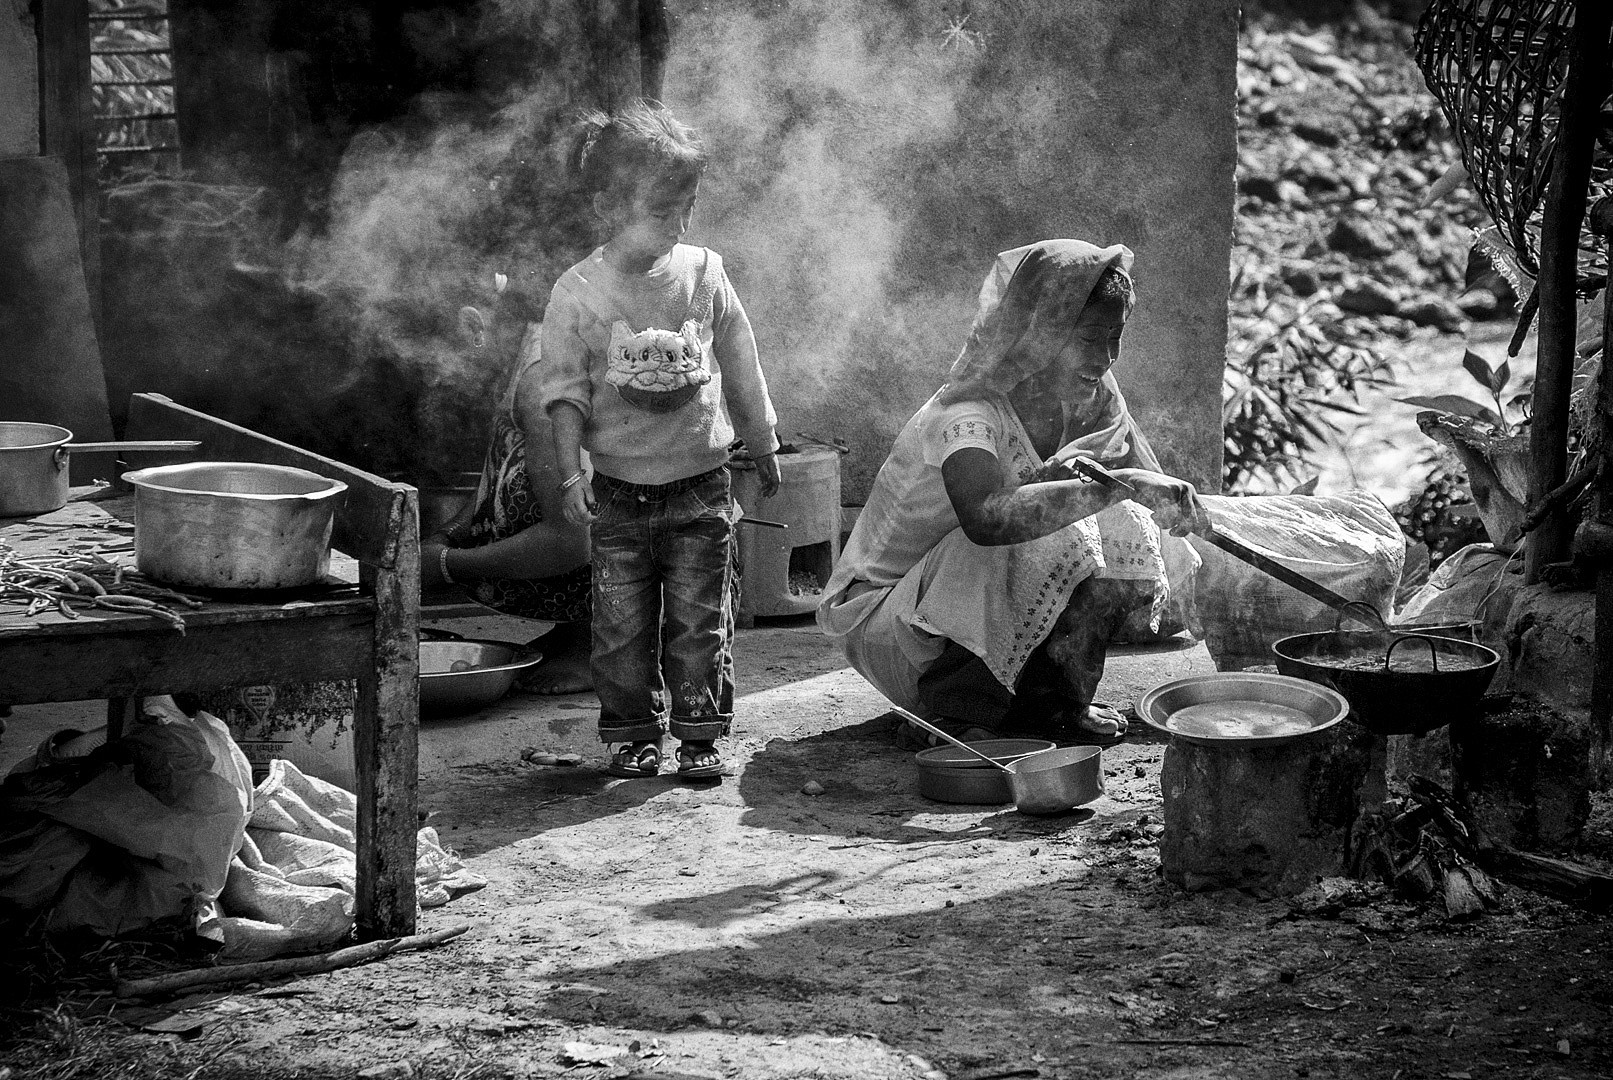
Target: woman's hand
x: 1175, y: 503
x: 767, y: 471
x: 577, y: 503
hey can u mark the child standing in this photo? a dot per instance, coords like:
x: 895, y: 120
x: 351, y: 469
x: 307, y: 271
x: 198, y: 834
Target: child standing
x: 650, y: 364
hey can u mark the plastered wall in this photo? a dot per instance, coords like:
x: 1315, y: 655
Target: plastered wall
x: 19, y: 81
x: 870, y: 158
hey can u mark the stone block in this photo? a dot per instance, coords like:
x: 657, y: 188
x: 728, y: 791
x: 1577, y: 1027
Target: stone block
x: 1272, y: 819
x: 1550, y: 642
x: 1526, y: 771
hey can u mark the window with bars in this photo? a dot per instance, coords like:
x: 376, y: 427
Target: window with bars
x: 132, y: 87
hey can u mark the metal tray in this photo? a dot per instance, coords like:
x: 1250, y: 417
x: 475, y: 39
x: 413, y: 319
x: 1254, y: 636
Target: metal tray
x: 1319, y: 708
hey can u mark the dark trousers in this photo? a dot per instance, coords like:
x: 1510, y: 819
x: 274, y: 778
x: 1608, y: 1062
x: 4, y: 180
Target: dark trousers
x: 663, y: 607
x: 1060, y: 678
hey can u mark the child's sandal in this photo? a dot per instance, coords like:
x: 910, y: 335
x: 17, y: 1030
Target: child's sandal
x: 698, y: 759
x: 634, y: 760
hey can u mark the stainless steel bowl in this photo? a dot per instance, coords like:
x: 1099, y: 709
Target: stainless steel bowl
x: 950, y: 775
x: 459, y: 677
x: 1238, y: 714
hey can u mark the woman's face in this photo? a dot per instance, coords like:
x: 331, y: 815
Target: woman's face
x: 1081, y: 354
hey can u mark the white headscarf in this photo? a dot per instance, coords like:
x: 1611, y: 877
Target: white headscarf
x: 1047, y: 280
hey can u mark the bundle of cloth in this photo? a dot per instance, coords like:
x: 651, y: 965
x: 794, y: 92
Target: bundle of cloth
x: 165, y: 824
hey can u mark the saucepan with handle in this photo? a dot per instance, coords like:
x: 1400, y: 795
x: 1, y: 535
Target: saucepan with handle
x: 33, y: 464
x: 1046, y: 782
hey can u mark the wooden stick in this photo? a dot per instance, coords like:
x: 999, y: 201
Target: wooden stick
x: 1559, y: 496
x: 1563, y: 211
x: 295, y: 965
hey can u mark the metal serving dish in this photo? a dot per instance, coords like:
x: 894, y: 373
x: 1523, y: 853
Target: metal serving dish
x: 1241, y: 708
x: 458, y: 677
x: 950, y: 775
x: 1398, y: 684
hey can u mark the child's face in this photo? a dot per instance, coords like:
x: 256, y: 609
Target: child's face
x: 655, y: 220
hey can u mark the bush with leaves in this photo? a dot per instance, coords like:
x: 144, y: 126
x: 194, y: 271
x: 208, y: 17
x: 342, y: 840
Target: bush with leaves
x: 1291, y: 366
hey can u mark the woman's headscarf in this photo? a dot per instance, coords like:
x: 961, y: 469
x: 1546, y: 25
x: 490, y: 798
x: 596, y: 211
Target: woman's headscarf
x: 1050, y: 280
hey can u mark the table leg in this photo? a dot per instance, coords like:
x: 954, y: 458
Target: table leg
x: 386, y: 719
x: 121, y: 713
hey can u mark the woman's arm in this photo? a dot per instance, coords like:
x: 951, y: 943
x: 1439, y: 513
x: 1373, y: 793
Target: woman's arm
x: 992, y: 515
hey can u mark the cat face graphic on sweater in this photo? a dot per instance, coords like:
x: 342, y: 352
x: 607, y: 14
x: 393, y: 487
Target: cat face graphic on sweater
x: 655, y: 361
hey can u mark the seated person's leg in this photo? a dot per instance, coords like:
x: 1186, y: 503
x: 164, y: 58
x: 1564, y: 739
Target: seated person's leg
x: 958, y: 694
x: 1060, y: 680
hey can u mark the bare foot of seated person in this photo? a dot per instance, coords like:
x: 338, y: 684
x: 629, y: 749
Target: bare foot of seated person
x: 565, y: 667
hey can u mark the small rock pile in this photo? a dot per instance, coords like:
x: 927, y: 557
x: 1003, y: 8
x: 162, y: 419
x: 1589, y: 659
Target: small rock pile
x: 1340, y: 144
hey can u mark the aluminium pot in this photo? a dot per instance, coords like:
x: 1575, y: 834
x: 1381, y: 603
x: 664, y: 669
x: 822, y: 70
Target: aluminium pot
x: 233, y: 524
x: 950, y: 775
x: 33, y: 464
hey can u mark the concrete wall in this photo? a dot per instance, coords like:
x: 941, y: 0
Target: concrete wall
x: 872, y: 156
x: 19, y: 81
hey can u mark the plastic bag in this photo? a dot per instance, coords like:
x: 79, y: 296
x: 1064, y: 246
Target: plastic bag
x: 1349, y: 543
x: 129, y: 833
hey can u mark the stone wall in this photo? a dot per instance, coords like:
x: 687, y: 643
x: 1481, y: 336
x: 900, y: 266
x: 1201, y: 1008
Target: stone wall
x: 871, y: 158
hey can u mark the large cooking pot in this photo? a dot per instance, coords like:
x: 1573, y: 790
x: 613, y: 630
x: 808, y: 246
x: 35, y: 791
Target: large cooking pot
x: 233, y: 524
x: 33, y: 464
x: 1397, y: 684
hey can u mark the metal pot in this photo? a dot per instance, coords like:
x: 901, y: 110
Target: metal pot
x: 1047, y: 782
x: 1385, y: 699
x: 233, y: 524
x: 33, y: 464
x: 947, y: 774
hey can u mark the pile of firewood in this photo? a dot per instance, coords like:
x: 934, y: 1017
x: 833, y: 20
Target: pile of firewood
x: 1428, y: 847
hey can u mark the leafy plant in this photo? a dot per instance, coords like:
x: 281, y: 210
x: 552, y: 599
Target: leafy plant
x: 1290, y: 371
x: 1493, y: 379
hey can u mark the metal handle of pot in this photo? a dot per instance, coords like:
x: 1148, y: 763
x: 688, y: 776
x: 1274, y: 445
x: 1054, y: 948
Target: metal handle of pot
x: 1433, y: 649
x: 959, y: 743
x: 135, y: 444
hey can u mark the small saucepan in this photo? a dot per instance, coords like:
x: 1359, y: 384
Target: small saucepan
x: 33, y: 464
x: 1046, y: 782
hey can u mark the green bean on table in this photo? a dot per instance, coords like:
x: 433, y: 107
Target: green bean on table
x: 69, y: 582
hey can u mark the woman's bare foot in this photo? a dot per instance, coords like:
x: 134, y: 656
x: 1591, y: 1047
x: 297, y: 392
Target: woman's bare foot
x: 565, y: 668
x: 1099, y: 721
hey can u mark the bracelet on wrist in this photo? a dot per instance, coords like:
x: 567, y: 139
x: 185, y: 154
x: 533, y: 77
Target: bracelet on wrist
x: 572, y: 481
x: 442, y: 565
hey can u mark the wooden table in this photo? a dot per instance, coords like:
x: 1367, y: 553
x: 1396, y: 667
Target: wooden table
x: 369, y: 633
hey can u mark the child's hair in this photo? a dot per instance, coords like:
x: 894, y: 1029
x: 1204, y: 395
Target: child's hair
x: 1113, y: 287
x: 617, y: 152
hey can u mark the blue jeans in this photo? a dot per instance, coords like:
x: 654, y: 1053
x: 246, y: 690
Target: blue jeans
x: 664, y: 582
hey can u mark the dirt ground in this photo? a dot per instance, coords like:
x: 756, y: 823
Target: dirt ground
x: 748, y: 929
